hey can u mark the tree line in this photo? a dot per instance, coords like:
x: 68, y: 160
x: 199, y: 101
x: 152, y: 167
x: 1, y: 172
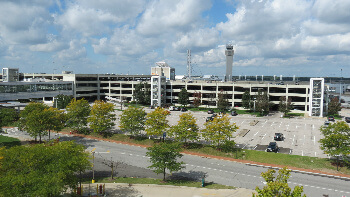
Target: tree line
x: 39, y: 120
x: 135, y: 120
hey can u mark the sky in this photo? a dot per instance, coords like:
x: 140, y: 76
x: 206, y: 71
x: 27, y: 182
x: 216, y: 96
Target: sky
x: 269, y: 37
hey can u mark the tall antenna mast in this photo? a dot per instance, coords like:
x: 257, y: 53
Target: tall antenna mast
x: 189, y: 67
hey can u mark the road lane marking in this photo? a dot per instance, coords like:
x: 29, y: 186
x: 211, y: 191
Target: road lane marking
x: 314, y: 140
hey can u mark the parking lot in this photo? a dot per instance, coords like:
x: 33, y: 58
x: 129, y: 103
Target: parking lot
x: 301, y: 134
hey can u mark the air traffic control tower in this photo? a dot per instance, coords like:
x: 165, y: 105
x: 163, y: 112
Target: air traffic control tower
x: 229, y: 61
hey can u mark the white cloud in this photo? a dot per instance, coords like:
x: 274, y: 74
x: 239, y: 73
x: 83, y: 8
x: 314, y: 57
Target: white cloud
x: 91, y: 18
x: 122, y: 10
x: 171, y: 16
x: 329, y: 11
x: 317, y: 28
x: 211, y: 58
x: 85, y: 21
x: 255, y: 21
x: 24, y: 23
x: 126, y: 42
x: 197, y: 40
x: 52, y: 45
x: 74, y: 52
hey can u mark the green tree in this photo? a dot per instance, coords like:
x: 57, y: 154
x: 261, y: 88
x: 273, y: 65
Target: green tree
x: 262, y: 104
x: 164, y: 156
x: 222, y: 102
x: 186, y: 128
x: 246, y: 100
x: 142, y: 93
x: 34, y: 119
x: 56, y: 119
x: 77, y: 114
x: 285, y: 105
x: 101, y: 117
x: 132, y: 120
x: 183, y: 97
x: 219, y: 130
x: 156, y: 122
x: 197, y: 99
x: 61, y: 101
x: 278, y: 185
x: 334, y: 106
x: 42, y: 169
x: 336, y: 139
x: 7, y: 116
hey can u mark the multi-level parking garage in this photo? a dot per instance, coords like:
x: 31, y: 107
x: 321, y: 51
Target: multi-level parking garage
x: 233, y: 91
x: 99, y: 86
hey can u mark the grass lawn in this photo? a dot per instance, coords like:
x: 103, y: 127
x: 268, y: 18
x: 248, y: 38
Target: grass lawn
x: 9, y: 141
x: 295, y: 114
x: 160, y: 182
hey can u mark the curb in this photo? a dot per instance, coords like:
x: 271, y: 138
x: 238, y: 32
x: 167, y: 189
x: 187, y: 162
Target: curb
x: 303, y: 172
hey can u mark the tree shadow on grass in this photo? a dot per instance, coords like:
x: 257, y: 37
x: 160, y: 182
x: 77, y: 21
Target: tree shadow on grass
x: 188, y: 176
x: 192, y: 146
x: 10, y: 144
x: 121, y: 191
x: 138, y: 137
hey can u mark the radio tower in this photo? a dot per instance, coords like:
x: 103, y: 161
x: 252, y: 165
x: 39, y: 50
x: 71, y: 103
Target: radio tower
x: 189, y: 67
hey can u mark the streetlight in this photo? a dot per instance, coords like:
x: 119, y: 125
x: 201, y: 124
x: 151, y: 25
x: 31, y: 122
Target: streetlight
x: 254, y: 104
x: 93, y: 162
x: 341, y: 80
x: 93, y: 165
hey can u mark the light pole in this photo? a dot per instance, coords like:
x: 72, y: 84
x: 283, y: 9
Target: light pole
x: 254, y: 104
x: 341, y: 80
x: 93, y: 165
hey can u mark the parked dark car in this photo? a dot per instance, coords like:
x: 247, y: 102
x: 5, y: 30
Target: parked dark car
x: 347, y: 119
x: 273, y: 147
x: 330, y: 118
x: 211, y: 118
x: 278, y: 137
x: 234, y: 113
x: 183, y: 109
x: 210, y: 111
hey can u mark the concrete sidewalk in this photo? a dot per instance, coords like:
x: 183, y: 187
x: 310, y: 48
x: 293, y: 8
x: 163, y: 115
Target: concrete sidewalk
x: 150, y: 190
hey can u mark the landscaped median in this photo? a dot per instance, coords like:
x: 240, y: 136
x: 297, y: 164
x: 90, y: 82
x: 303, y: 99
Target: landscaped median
x: 295, y: 162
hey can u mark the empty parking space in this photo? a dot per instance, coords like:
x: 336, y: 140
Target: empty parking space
x: 301, y: 135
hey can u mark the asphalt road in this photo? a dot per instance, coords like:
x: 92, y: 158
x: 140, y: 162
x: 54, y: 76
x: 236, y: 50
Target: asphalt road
x: 219, y: 171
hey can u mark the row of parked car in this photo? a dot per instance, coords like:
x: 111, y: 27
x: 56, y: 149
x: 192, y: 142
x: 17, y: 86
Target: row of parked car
x: 174, y: 108
x: 331, y: 118
x: 210, y: 118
